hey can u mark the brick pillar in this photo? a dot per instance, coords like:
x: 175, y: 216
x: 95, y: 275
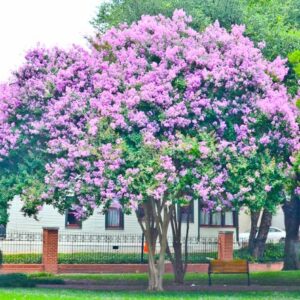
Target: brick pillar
x: 225, y: 245
x: 50, y: 249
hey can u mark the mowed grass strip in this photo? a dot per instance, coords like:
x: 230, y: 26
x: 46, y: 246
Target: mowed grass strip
x: 280, y: 278
x: 49, y: 294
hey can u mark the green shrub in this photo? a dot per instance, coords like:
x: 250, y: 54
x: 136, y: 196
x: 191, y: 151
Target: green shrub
x: 16, y: 280
x: 22, y: 258
x: 273, y: 253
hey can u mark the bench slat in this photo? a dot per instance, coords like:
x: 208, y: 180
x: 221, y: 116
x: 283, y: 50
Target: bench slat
x: 234, y: 266
x: 228, y: 267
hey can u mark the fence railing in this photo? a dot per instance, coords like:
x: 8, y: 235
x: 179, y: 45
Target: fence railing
x: 97, y: 248
x: 89, y: 248
x: 21, y: 247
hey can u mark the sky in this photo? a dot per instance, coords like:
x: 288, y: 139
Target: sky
x: 26, y: 23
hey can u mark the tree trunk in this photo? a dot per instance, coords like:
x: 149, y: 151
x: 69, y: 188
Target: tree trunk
x: 260, y: 241
x: 152, y: 270
x: 291, y: 210
x: 178, y: 266
x: 253, y: 231
x: 156, y: 222
x: 179, y: 263
x: 156, y: 272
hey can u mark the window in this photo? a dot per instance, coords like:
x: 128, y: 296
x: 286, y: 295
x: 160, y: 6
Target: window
x: 204, y: 218
x: 71, y: 221
x: 2, y: 232
x: 229, y: 218
x: 114, y: 218
x: 186, y: 212
x: 217, y: 218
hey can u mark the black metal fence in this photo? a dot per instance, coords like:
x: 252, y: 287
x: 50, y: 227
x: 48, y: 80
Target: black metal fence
x: 21, y: 247
x: 88, y: 248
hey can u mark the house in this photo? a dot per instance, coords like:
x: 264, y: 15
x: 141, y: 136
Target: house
x: 114, y: 222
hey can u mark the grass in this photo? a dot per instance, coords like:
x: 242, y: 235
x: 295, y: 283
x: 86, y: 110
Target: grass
x: 47, y: 294
x: 24, y: 287
x: 287, y: 278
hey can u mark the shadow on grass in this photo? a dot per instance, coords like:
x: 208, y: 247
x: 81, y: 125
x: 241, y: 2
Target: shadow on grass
x: 22, y: 280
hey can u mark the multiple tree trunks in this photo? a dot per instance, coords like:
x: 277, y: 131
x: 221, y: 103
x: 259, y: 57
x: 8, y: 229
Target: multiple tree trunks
x: 155, y: 227
x: 257, y: 239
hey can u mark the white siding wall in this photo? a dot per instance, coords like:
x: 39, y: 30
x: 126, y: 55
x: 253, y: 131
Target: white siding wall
x: 278, y: 219
x: 245, y: 221
x: 49, y: 217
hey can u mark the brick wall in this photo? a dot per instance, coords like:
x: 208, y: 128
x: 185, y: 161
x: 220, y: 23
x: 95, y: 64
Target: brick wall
x: 225, y: 245
x: 50, y: 250
x: 21, y: 268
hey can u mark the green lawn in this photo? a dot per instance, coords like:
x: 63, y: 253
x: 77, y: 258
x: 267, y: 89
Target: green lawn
x: 287, y: 278
x: 47, y: 294
x: 22, y: 287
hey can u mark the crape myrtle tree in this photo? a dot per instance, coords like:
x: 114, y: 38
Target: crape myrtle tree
x: 47, y: 80
x: 162, y: 84
x: 274, y: 23
x: 50, y: 110
x: 155, y: 115
x: 141, y: 145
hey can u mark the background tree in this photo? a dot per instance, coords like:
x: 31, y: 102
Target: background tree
x: 113, y: 13
x: 291, y: 209
x: 291, y: 205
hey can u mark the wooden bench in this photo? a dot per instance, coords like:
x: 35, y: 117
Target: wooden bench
x: 228, y: 267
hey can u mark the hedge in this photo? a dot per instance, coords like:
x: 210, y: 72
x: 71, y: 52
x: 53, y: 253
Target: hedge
x: 273, y: 253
